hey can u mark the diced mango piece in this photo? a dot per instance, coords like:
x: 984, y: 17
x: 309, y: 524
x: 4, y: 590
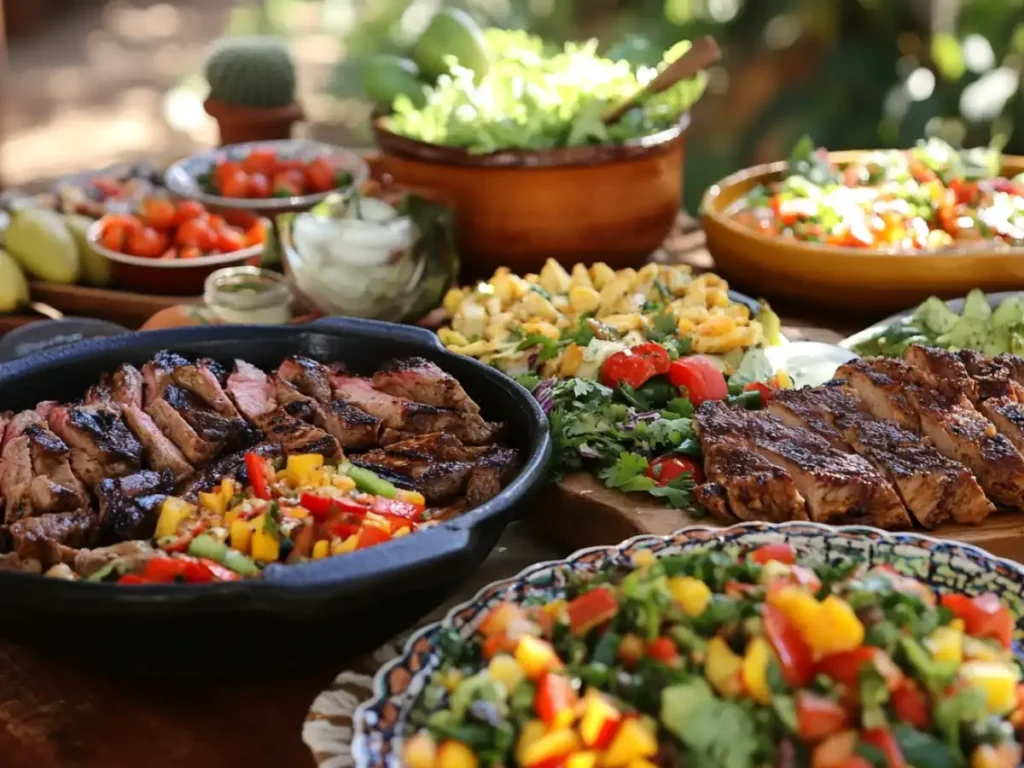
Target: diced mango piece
x: 997, y: 680
x: 723, y: 668
x: 455, y: 754
x: 690, y: 594
x: 266, y: 547
x: 321, y: 549
x: 172, y: 512
x: 755, y: 670
x: 946, y: 644
x: 536, y: 656
x: 506, y: 670
x: 632, y: 742
x: 241, y: 535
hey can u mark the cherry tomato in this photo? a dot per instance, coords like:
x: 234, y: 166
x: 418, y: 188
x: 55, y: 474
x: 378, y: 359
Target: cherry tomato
x: 256, y: 234
x: 320, y: 175
x: 790, y: 648
x: 845, y: 667
x: 764, y: 389
x: 983, y: 616
x: 189, y: 252
x: 147, y: 242
x: 114, y: 236
x: 656, y: 354
x: 287, y: 183
x: 667, y: 468
x: 663, y: 649
x: 911, y: 705
x: 781, y: 552
x: 235, y: 184
x: 883, y: 739
x: 158, y: 213
x: 189, y: 209
x: 792, y: 210
x: 817, y: 716
x: 700, y: 377
x: 223, y: 170
x: 591, y: 609
x: 259, y: 186
x: 262, y: 160
x: 626, y: 368
x: 196, y: 232
x: 229, y: 240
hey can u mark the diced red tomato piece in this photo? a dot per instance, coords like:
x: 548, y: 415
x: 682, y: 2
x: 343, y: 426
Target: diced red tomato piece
x: 667, y: 468
x: 780, y: 552
x: 845, y: 667
x: 496, y: 644
x: 218, y: 571
x: 396, y: 508
x: 818, y: 717
x: 790, y: 648
x: 591, y: 609
x: 258, y: 469
x: 663, y: 649
x: 911, y: 705
x: 134, y: 578
x: 882, y: 739
x: 700, y: 377
x: 168, y: 569
x: 759, y: 386
x: 320, y: 507
x: 371, y: 535
x: 836, y: 751
x: 555, y: 699
x: 983, y: 616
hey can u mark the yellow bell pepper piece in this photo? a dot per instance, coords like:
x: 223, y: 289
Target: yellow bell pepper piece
x: 528, y: 736
x: 586, y: 759
x: 723, y: 668
x: 506, y: 670
x: 632, y: 742
x: 946, y: 644
x: 321, y: 549
x: 213, y: 501
x: 241, y: 535
x: 266, y: 547
x: 836, y: 628
x: 643, y: 558
x: 536, y: 656
x: 411, y: 497
x: 348, y: 545
x: 455, y: 754
x: 997, y: 680
x: 554, y: 743
x: 755, y: 669
x: 419, y: 751
x: 343, y: 482
x: 599, y: 715
x: 690, y: 594
x: 300, y: 468
x: 641, y: 763
x: 172, y: 512
x: 798, y: 605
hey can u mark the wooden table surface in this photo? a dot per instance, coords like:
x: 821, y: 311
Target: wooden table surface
x: 57, y: 716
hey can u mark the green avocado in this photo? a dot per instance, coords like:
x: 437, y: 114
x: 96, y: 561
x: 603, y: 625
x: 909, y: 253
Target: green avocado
x: 452, y: 32
x: 386, y: 77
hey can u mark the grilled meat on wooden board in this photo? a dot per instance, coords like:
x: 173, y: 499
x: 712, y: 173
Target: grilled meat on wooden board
x: 743, y: 485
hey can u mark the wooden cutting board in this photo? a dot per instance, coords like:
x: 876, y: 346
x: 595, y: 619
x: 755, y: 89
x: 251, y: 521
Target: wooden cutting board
x: 581, y: 512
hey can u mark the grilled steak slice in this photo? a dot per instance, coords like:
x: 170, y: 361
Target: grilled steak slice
x: 201, y: 381
x: 52, y: 539
x: 993, y: 378
x: 173, y: 424
x: 293, y: 401
x: 252, y: 391
x: 101, y: 392
x: 294, y: 435
x: 101, y: 445
x: 1008, y: 417
x: 952, y: 424
x: 159, y: 450
x: 933, y: 487
x: 15, y: 477
x: 158, y: 374
x: 229, y: 433
x: 436, y: 445
x: 948, y: 375
x: 491, y: 472
x: 414, y: 418
x: 436, y: 480
x: 130, y: 505
x: 353, y: 428
x: 714, y: 499
x: 752, y: 488
x: 231, y: 465
x: 17, y: 423
x: 126, y: 386
x: 308, y: 376
x: 54, y: 487
x: 835, y: 485
x: 422, y: 381
x: 879, y: 383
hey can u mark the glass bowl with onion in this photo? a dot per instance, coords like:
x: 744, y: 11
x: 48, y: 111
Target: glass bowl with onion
x: 385, y: 253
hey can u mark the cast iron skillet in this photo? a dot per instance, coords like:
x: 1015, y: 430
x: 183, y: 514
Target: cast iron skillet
x: 293, y: 613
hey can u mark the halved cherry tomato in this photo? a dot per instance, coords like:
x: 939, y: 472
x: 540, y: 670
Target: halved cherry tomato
x: 656, y: 354
x: 663, y: 649
x: 591, y: 609
x: 758, y: 386
x: 371, y: 535
x: 189, y: 252
x: 883, y: 739
x: 700, y: 377
x: 262, y: 160
x: 259, y: 186
x: 196, y: 232
x: 188, y: 209
x: 790, y: 648
x: 256, y: 234
x: 229, y: 240
x: 147, y: 242
x: 911, y: 705
x: 320, y: 175
x: 259, y: 475
x: 667, y: 468
x: 235, y: 184
x: 983, y: 616
x: 818, y: 717
x: 223, y: 170
x: 158, y: 212
x: 781, y: 552
x: 555, y: 699
x: 626, y: 368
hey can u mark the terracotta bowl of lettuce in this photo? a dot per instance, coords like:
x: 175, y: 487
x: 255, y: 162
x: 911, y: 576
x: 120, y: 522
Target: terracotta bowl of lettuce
x: 533, y: 182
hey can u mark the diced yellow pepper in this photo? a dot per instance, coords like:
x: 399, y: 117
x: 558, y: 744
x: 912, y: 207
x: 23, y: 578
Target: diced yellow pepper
x: 300, y: 467
x: 587, y: 759
x: 232, y: 514
x: 554, y: 743
x: 282, y: 474
x: 690, y: 594
x: 299, y: 513
x: 419, y: 751
x: 241, y: 535
x: 227, y: 488
x: 723, y: 668
x: 536, y: 656
x: 643, y: 558
x: 266, y: 547
x: 343, y: 482
x: 997, y: 680
x: 213, y: 501
x: 632, y: 742
x: 599, y: 715
x: 755, y: 669
x: 348, y: 545
x: 528, y: 736
x: 798, y: 605
x: 411, y: 497
x: 946, y: 644
x: 455, y: 754
x: 172, y: 512
x: 976, y: 649
x: 506, y: 670
x: 837, y: 628
x: 321, y: 549
x: 641, y: 763
x: 782, y: 380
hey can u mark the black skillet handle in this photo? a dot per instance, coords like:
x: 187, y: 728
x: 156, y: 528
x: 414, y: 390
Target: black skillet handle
x: 425, y: 558
x: 410, y: 334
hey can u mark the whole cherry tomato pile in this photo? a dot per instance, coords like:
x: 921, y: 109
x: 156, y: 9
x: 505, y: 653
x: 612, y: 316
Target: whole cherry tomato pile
x: 263, y: 173
x: 165, y: 229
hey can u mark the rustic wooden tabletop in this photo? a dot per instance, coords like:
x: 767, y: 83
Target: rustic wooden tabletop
x: 53, y: 715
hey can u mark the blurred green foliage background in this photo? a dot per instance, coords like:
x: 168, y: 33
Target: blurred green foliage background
x: 852, y: 73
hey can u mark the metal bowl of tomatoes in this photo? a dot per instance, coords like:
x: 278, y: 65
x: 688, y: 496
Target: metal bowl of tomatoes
x: 267, y: 177
x: 170, y: 247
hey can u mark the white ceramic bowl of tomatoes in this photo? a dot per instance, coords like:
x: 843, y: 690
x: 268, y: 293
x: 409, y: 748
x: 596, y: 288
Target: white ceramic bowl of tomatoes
x: 170, y: 246
x: 267, y: 176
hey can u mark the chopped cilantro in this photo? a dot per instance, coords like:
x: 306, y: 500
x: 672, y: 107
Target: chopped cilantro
x: 548, y: 347
x: 272, y: 519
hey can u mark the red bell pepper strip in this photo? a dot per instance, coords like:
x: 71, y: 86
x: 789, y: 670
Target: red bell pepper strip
x: 818, y: 717
x: 371, y: 535
x: 218, y: 571
x: 759, y: 386
x: 793, y: 653
x: 319, y: 507
x: 555, y: 698
x: 780, y: 552
x: 163, y: 570
x: 133, y: 578
x: 396, y: 508
x: 664, y: 650
x: 591, y: 609
x: 882, y: 739
x: 344, y: 530
x: 257, y: 468
x: 983, y: 616
x: 911, y: 705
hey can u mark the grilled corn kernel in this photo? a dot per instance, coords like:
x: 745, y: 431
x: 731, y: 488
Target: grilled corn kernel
x: 451, y: 337
x: 584, y: 298
x: 696, y: 314
x: 571, y: 359
x: 685, y: 327
x: 716, y: 325
x: 626, y: 323
x: 452, y: 299
x: 601, y: 274
x: 241, y: 535
x: 343, y: 482
x: 696, y: 295
x: 717, y: 298
x: 543, y: 328
x: 580, y: 278
x: 321, y: 549
x: 738, y: 312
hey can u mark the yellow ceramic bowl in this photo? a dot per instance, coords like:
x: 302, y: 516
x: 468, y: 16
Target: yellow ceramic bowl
x: 845, y: 278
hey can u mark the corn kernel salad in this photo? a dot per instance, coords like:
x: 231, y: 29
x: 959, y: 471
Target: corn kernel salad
x: 291, y: 511
x: 718, y: 661
x: 567, y: 323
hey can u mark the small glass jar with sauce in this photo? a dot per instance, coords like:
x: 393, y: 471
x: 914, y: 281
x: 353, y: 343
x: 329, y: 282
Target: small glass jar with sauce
x: 249, y: 296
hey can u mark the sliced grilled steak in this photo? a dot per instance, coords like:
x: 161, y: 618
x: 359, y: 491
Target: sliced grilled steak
x: 15, y: 477
x: 12, y: 561
x: 130, y: 505
x: 295, y: 435
x: 1008, y: 417
x: 5, y: 418
x: 54, y: 487
x: 353, y: 428
x: 879, y: 383
x: 436, y: 445
x: 438, y: 481
x: 101, y: 445
x: 308, y: 376
x: 160, y: 452
x: 743, y: 485
x: 252, y: 391
x: 173, y: 425
x: 17, y: 423
x: 835, y: 485
x: 199, y: 379
x: 231, y: 465
x: 944, y: 369
x: 158, y: 374
x: 993, y: 378
x: 414, y: 418
x: 53, y: 539
x: 126, y: 386
x: 293, y: 401
x: 421, y: 381
x: 226, y: 433
x: 100, y: 393
x: 491, y: 472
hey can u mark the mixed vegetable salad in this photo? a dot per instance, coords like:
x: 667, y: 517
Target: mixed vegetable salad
x: 291, y: 511
x: 978, y: 326
x: 712, y: 660
x: 926, y: 198
x: 633, y: 429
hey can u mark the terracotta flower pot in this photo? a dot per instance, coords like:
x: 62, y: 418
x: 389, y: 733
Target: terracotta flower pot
x: 241, y: 124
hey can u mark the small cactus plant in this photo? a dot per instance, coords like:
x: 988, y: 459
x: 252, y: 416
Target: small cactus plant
x: 254, y: 72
